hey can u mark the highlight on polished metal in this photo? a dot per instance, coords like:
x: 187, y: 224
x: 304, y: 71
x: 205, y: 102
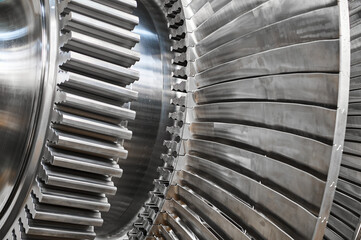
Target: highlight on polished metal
x: 180, y: 119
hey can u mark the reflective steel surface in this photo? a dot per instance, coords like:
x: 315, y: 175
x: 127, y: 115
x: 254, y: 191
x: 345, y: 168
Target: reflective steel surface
x: 230, y: 125
x: 152, y: 107
x: 21, y: 69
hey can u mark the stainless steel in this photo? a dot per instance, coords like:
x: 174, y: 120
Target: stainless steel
x: 258, y: 126
x: 230, y: 125
x: 40, y: 35
x: 347, y: 202
x: 80, y: 153
x: 152, y: 107
x: 289, y: 146
x: 21, y: 83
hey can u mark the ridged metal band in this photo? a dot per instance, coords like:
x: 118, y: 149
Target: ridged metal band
x: 88, y: 119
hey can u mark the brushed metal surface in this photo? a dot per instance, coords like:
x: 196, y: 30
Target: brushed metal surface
x: 238, y: 131
x: 152, y: 107
x: 347, y: 203
x: 257, y: 126
x: 21, y: 80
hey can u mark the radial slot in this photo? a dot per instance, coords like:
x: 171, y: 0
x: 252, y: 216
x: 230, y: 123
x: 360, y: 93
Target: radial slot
x: 237, y: 210
x: 66, y: 178
x: 92, y: 126
x: 290, y: 59
x: 193, y: 221
x: 314, y: 89
x: 167, y: 233
x: 87, y: 146
x: 299, y: 184
x: 94, y: 86
x: 215, y: 31
x: 352, y: 148
x: 63, y: 197
x: 45, y: 228
x: 88, y: 123
x: 342, y: 229
x: 330, y: 235
x: 55, y: 213
x: 278, y: 204
x: 85, y: 163
x: 101, y: 12
x: 203, y: 10
x: 254, y: 142
x: 299, y: 30
x: 355, y: 83
x: 270, y: 142
x: 350, y: 218
x: 94, y: 106
x: 351, y: 161
x: 99, y: 29
x: 295, y: 118
x: 263, y: 95
x: 209, y: 213
x: 92, y: 67
x: 349, y: 188
x: 123, y: 5
x: 347, y: 202
x: 100, y: 49
x: 350, y: 174
x: 177, y: 225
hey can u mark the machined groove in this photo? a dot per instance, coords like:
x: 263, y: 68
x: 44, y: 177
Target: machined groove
x: 42, y: 228
x: 88, y: 123
x: 258, y: 93
x: 324, y: 22
x: 167, y: 233
x: 177, y: 226
x: 97, y: 87
x: 85, y: 163
x: 194, y: 222
x: 62, y: 197
x: 342, y: 229
x: 100, y: 12
x: 270, y: 142
x: 351, y: 161
x: 46, y: 212
x: 349, y: 188
x: 209, y: 213
x: 293, y: 180
x: 260, y: 16
x: 88, y: 146
x: 59, y: 177
x: 262, y: 64
x: 95, y: 28
x: 122, y: 5
x: 94, y: 106
x: 237, y: 209
x: 100, y: 49
x: 278, y: 204
x: 91, y: 125
x: 314, y: 89
x: 347, y: 202
x: 350, y: 174
x: 253, y: 147
x: 331, y: 235
x: 203, y: 11
x: 86, y: 65
x: 272, y: 115
x: 347, y: 216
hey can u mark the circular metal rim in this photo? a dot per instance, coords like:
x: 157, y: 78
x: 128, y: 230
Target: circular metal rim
x: 49, y: 58
x: 341, y: 120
